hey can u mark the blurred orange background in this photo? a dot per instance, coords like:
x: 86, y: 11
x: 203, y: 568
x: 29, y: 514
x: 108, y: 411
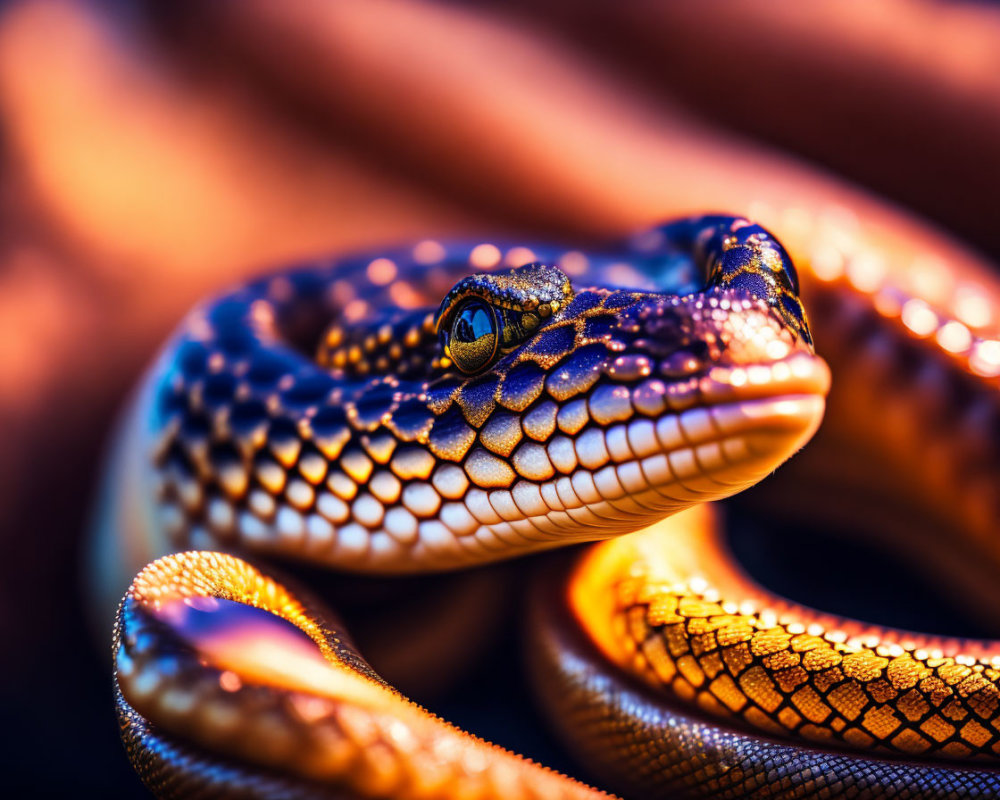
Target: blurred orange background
x: 155, y: 152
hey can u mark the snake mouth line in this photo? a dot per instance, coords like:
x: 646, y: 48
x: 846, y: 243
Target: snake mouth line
x: 698, y: 455
x: 737, y: 426
x: 684, y: 442
x: 798, y: 374
x: 622, y: 479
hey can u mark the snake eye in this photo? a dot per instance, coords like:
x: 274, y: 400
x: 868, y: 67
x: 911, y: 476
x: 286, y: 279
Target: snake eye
x: 474, y: 335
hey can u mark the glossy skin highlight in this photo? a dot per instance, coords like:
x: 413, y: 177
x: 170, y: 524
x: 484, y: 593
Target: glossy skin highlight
x: 282, y: 702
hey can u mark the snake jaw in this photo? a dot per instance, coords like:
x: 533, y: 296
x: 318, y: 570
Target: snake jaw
x: 628, y: 407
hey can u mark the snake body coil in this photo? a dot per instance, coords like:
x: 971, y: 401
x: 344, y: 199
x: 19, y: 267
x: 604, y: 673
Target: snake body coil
x: 440, y: 407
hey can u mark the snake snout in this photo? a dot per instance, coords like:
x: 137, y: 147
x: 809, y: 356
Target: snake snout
x: 700, y: 397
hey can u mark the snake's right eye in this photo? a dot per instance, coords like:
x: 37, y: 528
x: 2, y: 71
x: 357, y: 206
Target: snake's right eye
x: 474, y: 337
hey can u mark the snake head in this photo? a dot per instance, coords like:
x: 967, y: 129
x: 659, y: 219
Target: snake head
x: 615, y: 407
x: 574, y: 397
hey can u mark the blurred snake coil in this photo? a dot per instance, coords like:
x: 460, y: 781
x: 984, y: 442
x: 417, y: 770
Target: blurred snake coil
x: 447, y: 405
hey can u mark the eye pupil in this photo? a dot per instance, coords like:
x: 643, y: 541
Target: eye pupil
x: 473, y: 336
x: 473, y: 322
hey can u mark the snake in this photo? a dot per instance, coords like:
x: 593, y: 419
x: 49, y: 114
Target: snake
x: 444, y: 405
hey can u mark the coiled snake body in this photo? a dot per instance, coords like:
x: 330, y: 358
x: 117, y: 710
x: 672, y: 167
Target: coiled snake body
x: 444, y: 406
